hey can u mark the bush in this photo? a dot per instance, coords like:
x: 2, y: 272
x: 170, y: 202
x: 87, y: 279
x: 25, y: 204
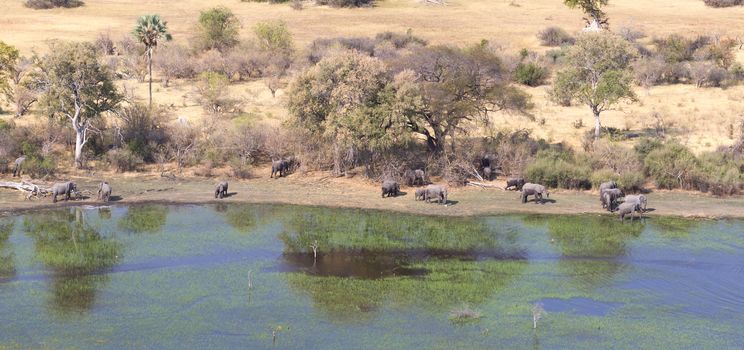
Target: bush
x: 707, y: 73
x: 723, y: 3
x: 346, y: 3
x: 143, y: 130
x: 672, y: 166
x: 174, y: 62
x: 49, y: 4
x: 554, y: 36
x: 644, y: 146
x: 39, y: 167
x: 218, y: 28
x: 559, y: 169
x: 530, y: 74
x: 124, y: 160
x: 631, y: 34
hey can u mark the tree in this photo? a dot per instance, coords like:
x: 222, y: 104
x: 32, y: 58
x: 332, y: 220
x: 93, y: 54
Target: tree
x: 78, y: 88
x: 8, y: 57
x: 592, y: 8
x: 276, y: 43
x: 439, y: 89
x: 150, y: 29
x: 23, y: 88
x: 597, y: 74
x: 346, y: 99
x: 218, y: 29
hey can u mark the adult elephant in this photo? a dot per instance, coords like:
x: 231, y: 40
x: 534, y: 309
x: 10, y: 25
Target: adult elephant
x: 639, y: 198
x: 63, y: 189
x: 221, y: 190
x: 536, y: 190
x: 436, y: 192
x: 17, y: 165
x: 609, y: 198
x: 104, y: 191
x: 390, y: 188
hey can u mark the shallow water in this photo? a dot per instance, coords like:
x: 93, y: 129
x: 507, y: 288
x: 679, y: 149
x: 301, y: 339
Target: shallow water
x: 228, y: 276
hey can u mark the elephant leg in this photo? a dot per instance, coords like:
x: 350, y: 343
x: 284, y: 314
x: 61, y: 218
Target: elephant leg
x: 54, y: 198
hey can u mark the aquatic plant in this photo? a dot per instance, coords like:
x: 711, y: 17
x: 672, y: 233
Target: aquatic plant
x: 144, y: 218
x: 464, y: 314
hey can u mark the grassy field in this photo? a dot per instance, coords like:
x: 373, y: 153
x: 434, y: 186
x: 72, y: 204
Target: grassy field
x: 699, y: 117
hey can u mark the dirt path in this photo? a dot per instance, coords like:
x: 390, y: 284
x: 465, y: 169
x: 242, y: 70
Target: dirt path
x: 321, y: 190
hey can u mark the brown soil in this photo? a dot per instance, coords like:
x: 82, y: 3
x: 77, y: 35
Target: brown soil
x: 320, y: 189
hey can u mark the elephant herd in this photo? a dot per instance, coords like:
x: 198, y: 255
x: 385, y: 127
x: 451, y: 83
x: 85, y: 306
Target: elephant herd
x: 613, y: 199
x: 68, y: 188
x: 417, y: 177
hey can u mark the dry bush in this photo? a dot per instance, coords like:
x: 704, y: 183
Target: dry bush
x: 631, y: 34
x: 124, y: 160
x: 723, y: 3
x: 707, y: 73
x: 649, y: 71
x: 174, y: 61
x: 105, y: 44
x: 133, y: 60
x: 50, y: 4
x: 554, y: 36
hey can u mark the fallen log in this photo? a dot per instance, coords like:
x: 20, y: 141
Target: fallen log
x: 482, y: 185
x: 31, y: 189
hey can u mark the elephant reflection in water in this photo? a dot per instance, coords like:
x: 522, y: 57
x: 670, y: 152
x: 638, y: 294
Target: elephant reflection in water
x: 75, y: 254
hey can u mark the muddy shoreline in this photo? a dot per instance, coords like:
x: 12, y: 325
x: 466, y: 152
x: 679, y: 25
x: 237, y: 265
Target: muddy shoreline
x: 321, y: 190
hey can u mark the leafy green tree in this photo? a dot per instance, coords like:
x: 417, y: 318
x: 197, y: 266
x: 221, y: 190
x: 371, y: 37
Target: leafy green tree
x: 346, y: 98
x: 218, y: 29
x: 150, y: 29
x: 8, y: 57
x: 77, y: 87
x: 275, y: 41
x: 597, y: 74
x: 591, y: 8
x: 440, y: 89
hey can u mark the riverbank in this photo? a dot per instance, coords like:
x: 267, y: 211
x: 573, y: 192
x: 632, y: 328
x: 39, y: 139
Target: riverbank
x: 319, y: 189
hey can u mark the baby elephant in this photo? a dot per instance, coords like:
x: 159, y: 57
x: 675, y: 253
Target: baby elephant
x: 63, y: 188
x: 420, y: 194
x: 515, y: 182
x: 390, y: 188
x: 539, y: 191
x: 628, y: 208
x: 436, y: 192
x: 104, y: 191
x: 221, y: 190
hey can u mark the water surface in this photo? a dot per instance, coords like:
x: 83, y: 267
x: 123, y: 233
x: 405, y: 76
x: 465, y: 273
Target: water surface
x: 230, y: 275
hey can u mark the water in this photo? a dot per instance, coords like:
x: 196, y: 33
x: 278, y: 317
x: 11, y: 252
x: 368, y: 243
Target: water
x: 228, y: 276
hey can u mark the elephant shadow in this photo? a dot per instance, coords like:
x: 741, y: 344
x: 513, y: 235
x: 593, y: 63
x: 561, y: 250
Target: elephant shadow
x: 648, y: 210
x: 229, y: 194
x: 115, y: 198
x: 451, y: 202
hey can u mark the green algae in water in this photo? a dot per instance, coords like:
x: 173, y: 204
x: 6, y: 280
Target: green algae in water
x: 90, y: 278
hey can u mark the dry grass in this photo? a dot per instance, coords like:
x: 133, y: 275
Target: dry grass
x: 699, y: 117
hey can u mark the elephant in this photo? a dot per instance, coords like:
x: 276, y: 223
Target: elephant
x: 415, y: 177
x: 63, y: 188
x: 515, y: 182
x: 420, y: 194
x: 609, y: 197
x: 539, y: 191
x: 640, y: 199
x: 221, y: 190
x: 390, y: 188
x: 279, y: 166
x: 487, y: 173
x: 607, y: 185
x: 628, y: 208
x: 436, y: 192
x: 18, y: 163
x: 104, y: 191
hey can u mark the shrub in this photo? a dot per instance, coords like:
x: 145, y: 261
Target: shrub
x: 645, y: 145
x: 631, y: 34
x: 124, y: 160
x: 723, y: 3
x: 174, y: 62
x: 530, y: 74
x: 218, y: 28
x: 672, y: 166
x: 631, y: 182
x: 554, y: 36
x: 49, y: 4
x: 400, y: 40
x: 143, y: 130
x: 39, y: 167
x: 707, y: 73
x: 559, y: 169
x: 649, y: 71
x: 346, y: 3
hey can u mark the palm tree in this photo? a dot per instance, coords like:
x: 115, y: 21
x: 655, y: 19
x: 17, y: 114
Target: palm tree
x: 149, y: 30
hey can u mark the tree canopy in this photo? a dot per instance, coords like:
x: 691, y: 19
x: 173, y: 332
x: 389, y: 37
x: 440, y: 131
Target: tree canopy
x: 218, y: 28
x: 597, y: 74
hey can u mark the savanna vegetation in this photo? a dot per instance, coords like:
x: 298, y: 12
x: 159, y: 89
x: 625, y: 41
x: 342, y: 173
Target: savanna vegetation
x: 375, y: 105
